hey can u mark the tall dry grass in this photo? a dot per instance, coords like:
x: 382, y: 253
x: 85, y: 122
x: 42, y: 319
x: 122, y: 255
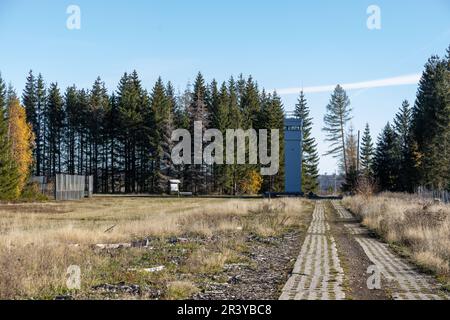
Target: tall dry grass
x: 38, y: 241
x: 421, y: 227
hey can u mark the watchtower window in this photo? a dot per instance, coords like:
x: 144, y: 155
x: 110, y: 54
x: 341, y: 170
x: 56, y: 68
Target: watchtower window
x: 292, y: 128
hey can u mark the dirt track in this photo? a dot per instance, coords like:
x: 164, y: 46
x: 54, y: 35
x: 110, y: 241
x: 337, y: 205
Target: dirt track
x: 336, y: 255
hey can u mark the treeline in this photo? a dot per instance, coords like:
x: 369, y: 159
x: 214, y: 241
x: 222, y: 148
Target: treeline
x: 123, y: 139
x: 414, y: 149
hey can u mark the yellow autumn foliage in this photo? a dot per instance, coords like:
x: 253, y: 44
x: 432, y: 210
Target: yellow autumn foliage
x: 252, y: 182
x: 22, y: 139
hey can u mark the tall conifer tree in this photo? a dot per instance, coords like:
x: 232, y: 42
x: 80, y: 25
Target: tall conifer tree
x: 9, y: 175
x: 310, y: 157
x: 386, y: 159
x: 367, y: 153
x: 337, y: 116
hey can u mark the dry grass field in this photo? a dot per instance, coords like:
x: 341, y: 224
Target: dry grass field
x: 191, y: 238
x: 418, y: 228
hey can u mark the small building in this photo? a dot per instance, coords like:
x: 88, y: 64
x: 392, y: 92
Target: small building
x: 293, y: 139
x: 174, y: 186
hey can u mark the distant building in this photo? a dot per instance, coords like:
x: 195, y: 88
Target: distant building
x: 293, y: 154
x: 330, y: 183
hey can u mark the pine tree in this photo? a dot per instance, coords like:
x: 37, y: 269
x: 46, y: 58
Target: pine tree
x: 402, y: 127
x: 82, y: 132
x: 167, y: 127
x: 181, y: 114
x: 29, y: 99
x: 444, y: 124
x: 40, y: 129
x: 386, y: 160
x: 198, y: 111
x: 351, y: 152
x: 2, y: 94
x: 71, y: 110
x: 310, y: 156
x: 367, y: 153
x: 337, y: 116
x: 9, y: 175
x: 113, y: 129
x: 250, y: 107
x: 250, y: 104
x: 235, y: 120
x: 55, y: 125
x: 273, y: 118
x: 426, y: 126
x: 221, y: 121
x: 402, y: 124
x: 182, y: 121
x: 213, y: 105
x: 240, y: 85
x: 173, y: 105
x: 441, y: 142
x: 351, y: 148
x: 11, y: 96
x: 162, y: 124
x: 98, y: 106
x: 212, y: 99
x: 134, y: 110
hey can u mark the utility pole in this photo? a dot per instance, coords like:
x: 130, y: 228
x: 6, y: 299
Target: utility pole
x: 357, y: 157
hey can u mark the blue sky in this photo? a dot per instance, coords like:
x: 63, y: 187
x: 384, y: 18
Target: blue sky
x: 282, y: 44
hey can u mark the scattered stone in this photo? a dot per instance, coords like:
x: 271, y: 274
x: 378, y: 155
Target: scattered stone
x: 152, y: 293
x: 235, y: 266
x: 154, y: 269
x: 113, y: 245
x: 118, y: 288
x: 234, y: 279
x: 174, y: 240
x: 268, y: 240
x: 144, y: 243
x: 260, y: 279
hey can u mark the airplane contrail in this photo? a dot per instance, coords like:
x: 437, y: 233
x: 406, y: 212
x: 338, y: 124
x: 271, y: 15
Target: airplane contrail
x: 387, y: 82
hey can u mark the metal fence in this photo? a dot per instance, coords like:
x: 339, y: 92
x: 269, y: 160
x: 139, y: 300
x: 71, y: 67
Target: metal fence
x: 65, y: 186
x: 68, y: 187
x: 425, y: 193
x: 46, y: 185
x: 89, y: 186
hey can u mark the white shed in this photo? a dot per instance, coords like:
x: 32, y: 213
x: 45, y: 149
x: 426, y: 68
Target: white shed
x: 174, y: 185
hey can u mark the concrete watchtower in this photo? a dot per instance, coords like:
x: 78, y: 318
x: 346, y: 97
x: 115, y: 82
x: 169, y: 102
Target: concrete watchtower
x: 293, y: 140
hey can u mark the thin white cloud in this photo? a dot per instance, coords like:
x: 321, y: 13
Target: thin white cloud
x: 387, y: 82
